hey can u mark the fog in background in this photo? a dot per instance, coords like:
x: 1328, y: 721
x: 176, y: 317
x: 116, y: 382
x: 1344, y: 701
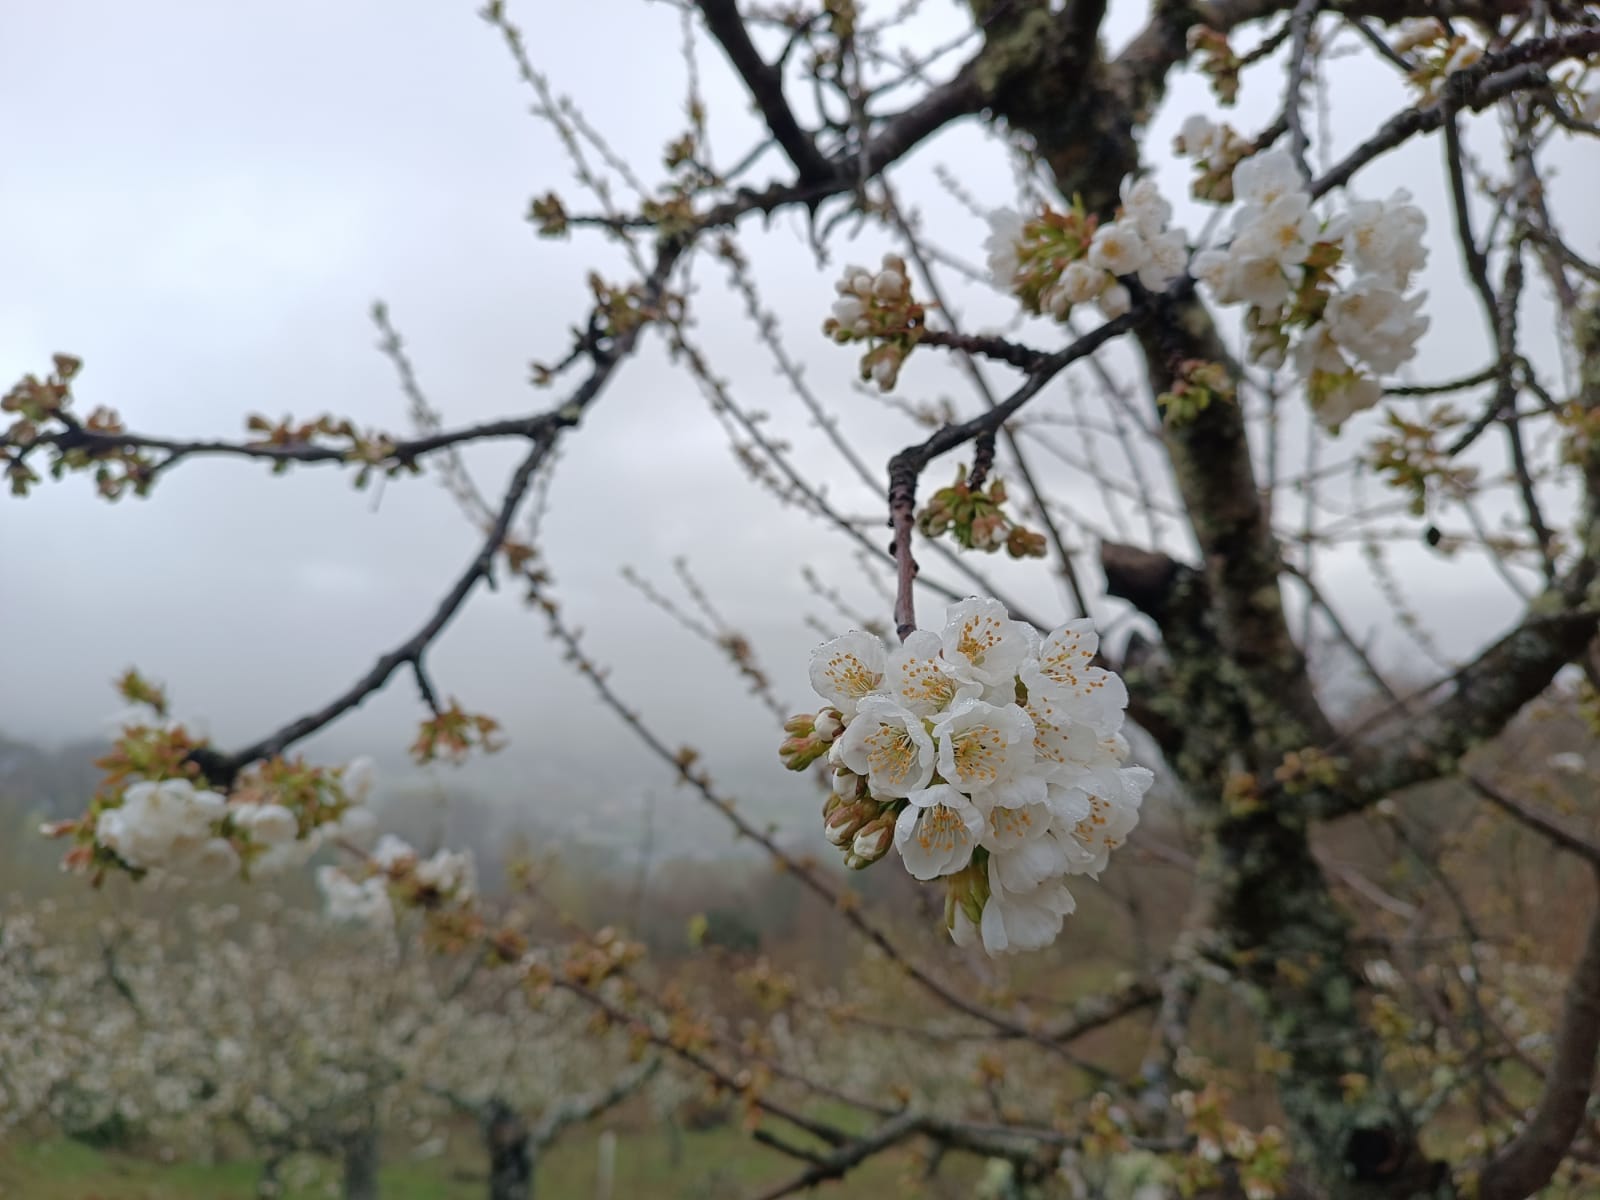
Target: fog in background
x: 203, y: 201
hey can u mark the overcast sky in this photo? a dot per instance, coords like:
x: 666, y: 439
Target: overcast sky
x: 202, y: 201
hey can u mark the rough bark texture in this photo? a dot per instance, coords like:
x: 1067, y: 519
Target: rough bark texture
x: 511, y: 1161
x: 1230, y: 694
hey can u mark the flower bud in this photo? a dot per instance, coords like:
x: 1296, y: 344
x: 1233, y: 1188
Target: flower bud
x: 359, y: 777
x: 828, y: 724
x: 1081, y: 283
x: 847, y: 310
x: 1115, y: 301
x: 967, y: 891
x: 871, y: 842
x: 803, y: 747
x: 847, y: 820
x: 269, y: 824
x: 846, y: 784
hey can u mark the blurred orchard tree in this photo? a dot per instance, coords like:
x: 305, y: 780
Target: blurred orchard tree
x: 1235, y: 399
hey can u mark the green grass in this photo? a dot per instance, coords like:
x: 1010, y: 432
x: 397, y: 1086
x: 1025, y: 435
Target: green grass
x: 713, y: 1165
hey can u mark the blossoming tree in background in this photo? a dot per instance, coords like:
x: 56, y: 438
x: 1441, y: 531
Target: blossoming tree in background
x: 214, y: 1033
x: 988, y: 753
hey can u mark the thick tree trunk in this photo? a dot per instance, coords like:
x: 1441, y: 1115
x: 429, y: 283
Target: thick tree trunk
x: 361, y: 1155
x: 1240, y: 696
x: 511, y: 1159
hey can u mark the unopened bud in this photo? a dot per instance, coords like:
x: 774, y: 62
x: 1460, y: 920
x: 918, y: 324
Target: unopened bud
x: 799, y: 725
x: 846, y: 783
x: 800, y: 751
x: 846, y: 821
x: 871, y: 842
x: 828, y: 724
x: 847, y: 310
x: 967, y: 892
x: 889, y: 285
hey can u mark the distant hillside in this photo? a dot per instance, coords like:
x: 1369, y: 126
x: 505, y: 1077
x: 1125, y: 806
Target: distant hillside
x: 45, y: 783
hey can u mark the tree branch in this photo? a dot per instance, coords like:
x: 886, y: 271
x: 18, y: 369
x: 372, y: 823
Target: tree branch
x: 1529, y: 1160
x: 765, y: 85
x: 590, y: 1105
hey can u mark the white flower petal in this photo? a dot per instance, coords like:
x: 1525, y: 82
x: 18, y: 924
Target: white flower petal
x: 981, y: 643
x: 888, y: 744
x: 848, y: 669
x: 917, y: 678
x: 982, y: 744
x: 936, y: 832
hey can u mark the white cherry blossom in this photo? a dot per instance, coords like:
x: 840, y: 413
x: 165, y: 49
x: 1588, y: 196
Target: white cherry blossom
x: 981, y: 644
x: 1061, y: 748
x: 1167, y: 258
x: 888, y: 744
x: 847, y: 669
x: 213, y: 861
x: 1145, y: 206
x: 1383, y: 238
x: 1372, y: 321
x: 1117, y: 248
x: 916, y: 676
x: 1354, y: 393
x: 937, y: 831
x: 1199, y: 137
x: 269, y: 824
x: 1263, y: 178
x: 160, y: 824
x: 1259, y: 280
x: 1023, y: 920
x: 986, y: 753
x: 362, y: 903
x: 359, y: 778
x: 1107, y: 826
x: 1281, y: 231
x: 1005, y: 232
x: 1116, y: 301
x: 983, y: 744
x: 450, y: 872
x: 356, y: 827
x: 1029, y: 863
x: 1080, y: 282
x: 392, y: 852
x: 1064, y: 672
x: 1015, y: 812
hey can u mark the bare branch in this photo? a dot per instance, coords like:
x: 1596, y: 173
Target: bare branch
x: 1529, y: 1160
x: 765, y: 84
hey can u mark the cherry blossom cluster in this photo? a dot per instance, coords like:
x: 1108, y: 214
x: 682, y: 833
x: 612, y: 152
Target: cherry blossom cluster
x: 395, y: 870
x: 975, y: 516
x: 876, y: 307
x: 181, y: 830
x: 1284, y: 263
x: 1216, y: 150
x: 985, y: 756
x: 1057, y: 260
